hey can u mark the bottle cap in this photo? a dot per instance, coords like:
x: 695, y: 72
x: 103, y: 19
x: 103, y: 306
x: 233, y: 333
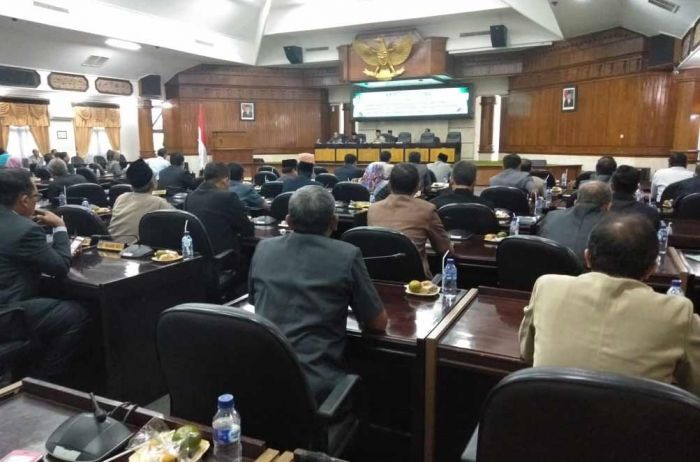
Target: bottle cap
x: 676, y: 282
x: 450, y: 260
x: 226, y: 401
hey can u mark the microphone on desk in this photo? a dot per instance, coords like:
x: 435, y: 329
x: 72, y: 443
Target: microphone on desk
x: 386, y: 257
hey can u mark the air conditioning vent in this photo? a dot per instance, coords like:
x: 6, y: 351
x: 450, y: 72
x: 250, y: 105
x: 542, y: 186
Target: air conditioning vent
x: 95, y: 61
x: 666, y: 5
x: 474, y: 34
x: 50, y: 6
x: 316, y: 49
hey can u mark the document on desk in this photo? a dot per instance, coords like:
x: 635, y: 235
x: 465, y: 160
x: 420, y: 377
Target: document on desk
x: 694, y: 257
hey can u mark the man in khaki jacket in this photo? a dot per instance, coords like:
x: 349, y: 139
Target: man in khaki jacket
x: 608, y: 319
x: 416, y: 218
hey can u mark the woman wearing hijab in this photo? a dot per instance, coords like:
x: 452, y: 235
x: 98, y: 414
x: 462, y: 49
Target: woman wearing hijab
x: 373, y: 178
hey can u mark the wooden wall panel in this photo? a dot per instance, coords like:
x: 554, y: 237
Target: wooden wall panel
x: 687, y: 120
x: 625, y: 115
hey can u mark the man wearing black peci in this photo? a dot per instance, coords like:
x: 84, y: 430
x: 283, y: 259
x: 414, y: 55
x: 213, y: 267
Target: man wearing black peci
x: 57, y: 325
x: 349, y: 171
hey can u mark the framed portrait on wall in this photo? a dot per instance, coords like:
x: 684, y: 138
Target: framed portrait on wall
x: 568, y: 99
x: 62, y: 135
x: 685, y: 49
x: 247, y: 111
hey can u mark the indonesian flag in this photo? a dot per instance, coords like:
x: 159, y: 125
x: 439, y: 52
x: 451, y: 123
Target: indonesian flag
x: 201, y: 138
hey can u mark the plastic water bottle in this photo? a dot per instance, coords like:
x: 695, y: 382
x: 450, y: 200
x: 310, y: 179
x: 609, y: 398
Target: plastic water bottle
x: 663, y: 238
x: 639, y: 195
x: 449, y: 279
x: 548, y: 197
x: 62, y: 200
x: 515, y: 226
x: 539, y: 205
x: 675, y: 288
x: 227, y: 431
x: 187, y: 246
x: 564, y: 178
x: 85, y: 204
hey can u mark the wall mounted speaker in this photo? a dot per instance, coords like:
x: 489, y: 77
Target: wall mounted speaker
x: 295, y: 54
x: 661, y: 51
x: 149, y: 86
x: 499, y: 36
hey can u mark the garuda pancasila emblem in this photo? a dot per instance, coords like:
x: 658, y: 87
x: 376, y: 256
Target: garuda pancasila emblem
x: 384, y: 59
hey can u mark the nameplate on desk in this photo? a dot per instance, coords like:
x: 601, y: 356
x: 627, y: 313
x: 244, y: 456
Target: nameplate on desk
x: 110, y: 246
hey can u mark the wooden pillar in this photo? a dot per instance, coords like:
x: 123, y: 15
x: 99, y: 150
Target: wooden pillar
x: 486, y: 133
x: 145, y: 128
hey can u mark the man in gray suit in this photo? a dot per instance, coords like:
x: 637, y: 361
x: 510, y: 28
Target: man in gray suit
x: 304, y: 282
x: 571, y: 227
x: 57, y: 325
x: 512, y: 176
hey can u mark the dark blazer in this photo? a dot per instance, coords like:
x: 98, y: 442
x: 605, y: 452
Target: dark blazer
x: 459, y: 196
x: 348, y: 172
x: 681, y: 188
x: 299, y: 182
x: 175, y: 179
x: 222, y: 213
x: 625, y: 203
x: 56, y: 186
x: 571, y: 227
x: 25, y: 254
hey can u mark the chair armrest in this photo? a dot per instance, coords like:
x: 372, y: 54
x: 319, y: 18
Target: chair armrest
x: 437, y: 279
x: 223, y: 255
x: 240, y: 300
x: 469, y: 454
x: 333, y: 403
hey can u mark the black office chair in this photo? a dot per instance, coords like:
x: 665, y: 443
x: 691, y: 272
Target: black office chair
x: 402, y: 262
x: 319, y: 170
x: 472, y: 218
x: 346, y: 191
x: 122, y: 161
x: 94, y: 167
x: 427, y: 138
x: 454, y: 137
x: 81, y: 221
x: 101, y: 161
x: 671, y: 192
x: 86, y: 173
x: 94, y: 193
x: 506, y: 197
x: 433, y: 178
x: 404, y: 137
x: 164, y: 228
x: 77, y: 161
x: 280, y: 206
x: 687, y: 207
x: 523, y: 259
x: 584, y: 176
x: 571, y: 200
x: 546, y: 175
x: 261, y: 177
x: 43, y: 174
x: 117, y: 190
x: 328, y: 180
x: 271, y: 189
x: 16, y: 339
x: 552, y: 414
x: 269, y: 168
x: 361, y: 138
x: 229, y: 350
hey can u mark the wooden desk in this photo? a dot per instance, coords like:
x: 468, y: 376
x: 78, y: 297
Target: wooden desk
x: 32, y: 409
x: 127, y: 296
x: 685, y: 234
x: 330, y: 154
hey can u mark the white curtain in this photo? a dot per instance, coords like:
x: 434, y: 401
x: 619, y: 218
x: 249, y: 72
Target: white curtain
x: 20, y: 141
x: 99, y: 143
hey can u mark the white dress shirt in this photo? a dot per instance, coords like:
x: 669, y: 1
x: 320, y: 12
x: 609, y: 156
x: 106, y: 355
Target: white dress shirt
x: 157, y: 164
x: 664, y: 177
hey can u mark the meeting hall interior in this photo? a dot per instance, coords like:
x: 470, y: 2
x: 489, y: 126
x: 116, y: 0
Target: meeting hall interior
x: 314, y: 230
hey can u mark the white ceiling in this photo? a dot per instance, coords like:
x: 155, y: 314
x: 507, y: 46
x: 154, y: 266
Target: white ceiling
x: 178, y: 34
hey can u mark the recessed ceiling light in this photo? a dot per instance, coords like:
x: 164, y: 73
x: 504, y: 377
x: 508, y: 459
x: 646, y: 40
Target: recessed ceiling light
x: 123, y: 44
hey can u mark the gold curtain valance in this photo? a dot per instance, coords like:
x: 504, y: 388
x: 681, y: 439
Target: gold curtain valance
x: 34, y: 115
x: 87, y: 116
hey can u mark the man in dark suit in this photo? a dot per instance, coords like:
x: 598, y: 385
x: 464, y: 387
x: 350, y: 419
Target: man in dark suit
x: 289, y: 170
x: 571, y: 227
x: 682, y: 188
x: 304, y: 282
x: 57, y: 325
x: 174, y: 179
x: 424, y: 178
x: 461, y: 189
x: 61, y: 178
x: 305, y: 170
x: 221, y: 212
x: 348, y: 171
x: 511, y: 175
x: 625, y: 182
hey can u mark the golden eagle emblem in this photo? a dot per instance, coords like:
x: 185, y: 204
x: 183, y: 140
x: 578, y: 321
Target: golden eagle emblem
x: 384, y: 58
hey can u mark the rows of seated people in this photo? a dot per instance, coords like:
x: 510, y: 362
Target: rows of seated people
x: 426, y: 137
x: 604, y: 319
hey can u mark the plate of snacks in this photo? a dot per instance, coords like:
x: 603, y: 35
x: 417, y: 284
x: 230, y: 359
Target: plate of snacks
x: 422, y: 289
x: 359, y: 205
x: 495, y: 238
x: 166, y: 256
x: 184, y: 444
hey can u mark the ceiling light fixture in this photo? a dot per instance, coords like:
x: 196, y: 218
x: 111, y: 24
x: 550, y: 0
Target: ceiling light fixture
x: 123, y: 44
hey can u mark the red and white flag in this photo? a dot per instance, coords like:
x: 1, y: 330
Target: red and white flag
x: 202, y: 138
